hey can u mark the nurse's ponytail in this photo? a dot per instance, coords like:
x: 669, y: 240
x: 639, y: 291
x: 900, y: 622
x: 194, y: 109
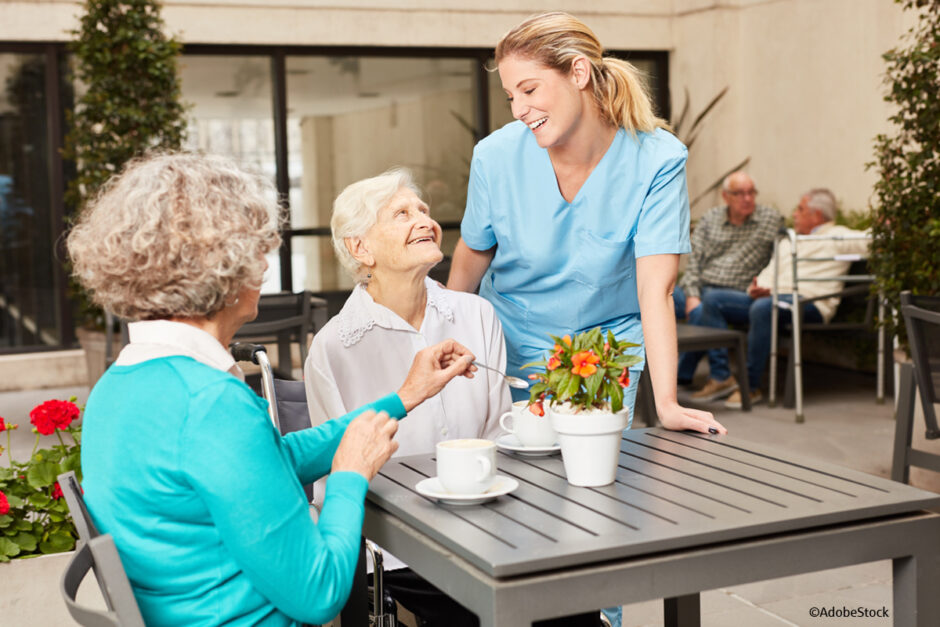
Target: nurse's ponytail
x: 556, y: 39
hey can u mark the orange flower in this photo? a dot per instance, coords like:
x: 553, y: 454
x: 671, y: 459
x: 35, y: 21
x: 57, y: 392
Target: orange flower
x: 567, y: 340
x: 537, y: 409
x: 584, y: 363
x: 624, y: 378
x: 553, y: 363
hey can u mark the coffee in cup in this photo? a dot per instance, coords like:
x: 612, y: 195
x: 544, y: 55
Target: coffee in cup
x: 466, y: 466
x: 530, y: 429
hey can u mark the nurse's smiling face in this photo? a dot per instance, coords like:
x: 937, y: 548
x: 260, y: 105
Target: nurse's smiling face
x: 404, y: 237
x: 550, y: 103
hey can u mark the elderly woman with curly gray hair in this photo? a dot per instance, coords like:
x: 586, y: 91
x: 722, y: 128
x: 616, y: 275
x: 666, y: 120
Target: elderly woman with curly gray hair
x: 181, y: 465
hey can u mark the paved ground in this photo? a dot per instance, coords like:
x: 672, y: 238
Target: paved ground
x: 843, y: 425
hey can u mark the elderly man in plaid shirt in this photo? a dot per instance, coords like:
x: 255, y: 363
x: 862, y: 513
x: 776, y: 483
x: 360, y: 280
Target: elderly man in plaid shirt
x: 731, y: 244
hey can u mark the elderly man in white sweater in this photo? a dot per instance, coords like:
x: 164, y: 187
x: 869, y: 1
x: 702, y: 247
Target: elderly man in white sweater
x: 815, y: 215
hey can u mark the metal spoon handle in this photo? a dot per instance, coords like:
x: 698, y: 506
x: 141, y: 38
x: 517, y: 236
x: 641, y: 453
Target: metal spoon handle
x: 479, y: 365
x: 514, y: 382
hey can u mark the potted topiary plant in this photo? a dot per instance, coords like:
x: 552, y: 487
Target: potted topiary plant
x: 131, y: 104
x: 581, y: 388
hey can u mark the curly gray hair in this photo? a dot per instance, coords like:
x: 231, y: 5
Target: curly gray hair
x: 175, y: 235
x: 356, y: 210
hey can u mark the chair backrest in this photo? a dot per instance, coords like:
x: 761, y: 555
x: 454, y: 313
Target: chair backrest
x: 96, y: 552
x: 922, y: 319
x: 291, y: 399
x: 72, y: 491
x: 285, y: 318
x: 100, y: 554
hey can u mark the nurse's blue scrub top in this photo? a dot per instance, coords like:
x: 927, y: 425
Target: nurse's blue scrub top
x: 565, y: 267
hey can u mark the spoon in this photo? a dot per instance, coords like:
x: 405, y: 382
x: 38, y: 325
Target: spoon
x: 514, y: 382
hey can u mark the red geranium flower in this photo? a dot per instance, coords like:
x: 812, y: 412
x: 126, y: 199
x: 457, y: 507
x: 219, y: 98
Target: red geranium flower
x: 57, y: 491
x: 3, y: 426
x: 53, y: 415
x: 4, y: 504
x: 624, y: 378
x: 584, y: 363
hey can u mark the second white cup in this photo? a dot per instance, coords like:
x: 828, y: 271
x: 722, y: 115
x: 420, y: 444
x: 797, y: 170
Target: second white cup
x: 466, y: 466
x: 529, y: 429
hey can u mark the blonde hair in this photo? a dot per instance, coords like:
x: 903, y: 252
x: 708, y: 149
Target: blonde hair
x: 556, y: 39
x: 356, y: 210
x: 175, y: 235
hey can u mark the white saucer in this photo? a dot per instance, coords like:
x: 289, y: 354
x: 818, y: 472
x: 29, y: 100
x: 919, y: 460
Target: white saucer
x: 509, y: 442
x: 432, y: 488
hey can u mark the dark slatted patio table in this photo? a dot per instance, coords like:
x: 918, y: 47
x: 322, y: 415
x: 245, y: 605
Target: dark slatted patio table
x: 687, y: 513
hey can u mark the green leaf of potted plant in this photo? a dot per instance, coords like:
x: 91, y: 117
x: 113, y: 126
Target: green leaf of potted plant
x: 582, y: 382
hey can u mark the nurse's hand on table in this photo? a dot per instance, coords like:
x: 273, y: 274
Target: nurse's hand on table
x: 678, y: 418
x: 432, y: 369
x: 366, y: 444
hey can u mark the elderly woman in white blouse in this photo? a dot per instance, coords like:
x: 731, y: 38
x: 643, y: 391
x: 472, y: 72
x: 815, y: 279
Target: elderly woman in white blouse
x: 385, y: 237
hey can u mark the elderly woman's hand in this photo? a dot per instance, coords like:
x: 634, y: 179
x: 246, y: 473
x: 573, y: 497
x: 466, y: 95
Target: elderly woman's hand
x: 432, y: 369
x: 366, y: 444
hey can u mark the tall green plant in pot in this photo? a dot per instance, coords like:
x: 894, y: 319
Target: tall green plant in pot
x: 906, y: 211
x: 581, y: 386
x: 131, y: 103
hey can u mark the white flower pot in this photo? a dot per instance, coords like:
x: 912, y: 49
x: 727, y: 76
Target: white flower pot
x: 590, y: 443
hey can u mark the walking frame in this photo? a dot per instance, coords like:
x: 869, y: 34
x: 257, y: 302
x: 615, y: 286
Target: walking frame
x: 797, y: 312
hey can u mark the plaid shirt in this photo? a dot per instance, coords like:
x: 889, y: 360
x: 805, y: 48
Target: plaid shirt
x: 730, y: 256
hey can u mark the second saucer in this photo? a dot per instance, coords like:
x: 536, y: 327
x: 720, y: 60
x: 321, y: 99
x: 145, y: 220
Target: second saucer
x: 509, y: 442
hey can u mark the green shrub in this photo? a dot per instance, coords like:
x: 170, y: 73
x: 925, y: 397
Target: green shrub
x: 131, y: 103
x: 906, y: 211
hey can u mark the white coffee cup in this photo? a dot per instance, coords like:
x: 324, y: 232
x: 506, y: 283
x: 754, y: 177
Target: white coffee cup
x: 466, y: 466
x: 530, y: 429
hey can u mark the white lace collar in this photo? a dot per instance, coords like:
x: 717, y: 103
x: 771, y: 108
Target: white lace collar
x: 361, y: 313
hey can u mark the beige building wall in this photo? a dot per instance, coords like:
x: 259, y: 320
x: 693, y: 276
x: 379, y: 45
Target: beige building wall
x: 805, y: 97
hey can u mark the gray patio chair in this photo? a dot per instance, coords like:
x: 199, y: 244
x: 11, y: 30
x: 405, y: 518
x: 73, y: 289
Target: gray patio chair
x: 98, y: 553
x: 285, y: 318
x: 922, y: 319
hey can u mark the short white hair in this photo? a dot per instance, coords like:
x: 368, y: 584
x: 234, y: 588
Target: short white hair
x: 356, y: 210
x: 823, y: 201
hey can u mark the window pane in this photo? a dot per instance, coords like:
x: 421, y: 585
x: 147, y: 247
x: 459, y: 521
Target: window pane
x: 28, y: 303
x: 233, y: 115
x: 354, y: 117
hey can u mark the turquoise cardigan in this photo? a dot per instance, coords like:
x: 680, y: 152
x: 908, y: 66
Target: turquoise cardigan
x: 183, y: 467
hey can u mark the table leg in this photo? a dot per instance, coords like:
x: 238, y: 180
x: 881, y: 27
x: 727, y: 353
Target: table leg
x: 915, y: 590
x: 743, y: 383
x: 684, y: 611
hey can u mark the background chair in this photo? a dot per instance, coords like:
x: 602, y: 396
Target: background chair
x: 285, y: 318
x: 97, y: 552
x: 922, y: 319
x: 694, y: 338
